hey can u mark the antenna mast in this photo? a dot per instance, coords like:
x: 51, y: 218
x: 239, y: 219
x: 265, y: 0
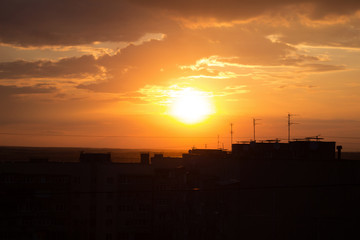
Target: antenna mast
x: 289, y: 124
x: 254, y: 124
x: 231, y: 133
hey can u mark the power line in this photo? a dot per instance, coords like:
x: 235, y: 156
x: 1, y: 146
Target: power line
x: 342, y: 137
x: 96, y: 136
x: 161, y: 137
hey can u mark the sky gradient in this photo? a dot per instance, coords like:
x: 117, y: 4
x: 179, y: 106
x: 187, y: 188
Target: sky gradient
x: 105, y: 73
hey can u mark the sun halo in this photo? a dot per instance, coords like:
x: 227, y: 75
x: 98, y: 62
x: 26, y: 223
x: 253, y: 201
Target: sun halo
x: 191, y: 106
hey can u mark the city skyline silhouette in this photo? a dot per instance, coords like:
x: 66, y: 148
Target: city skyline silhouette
x: 179, y: 120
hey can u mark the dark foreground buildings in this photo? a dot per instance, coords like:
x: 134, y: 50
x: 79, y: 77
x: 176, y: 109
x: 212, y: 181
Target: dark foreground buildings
x: 296, y: 190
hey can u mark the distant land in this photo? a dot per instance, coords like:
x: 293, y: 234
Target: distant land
x: 68, y: 154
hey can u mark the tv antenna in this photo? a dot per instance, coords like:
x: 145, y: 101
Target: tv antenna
x: 316, y: 138
x: 254, y: 124
x: 290, y: 123
x: 231, y: 133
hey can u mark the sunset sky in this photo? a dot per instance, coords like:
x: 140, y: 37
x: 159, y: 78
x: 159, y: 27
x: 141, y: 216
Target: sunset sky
x: 114, y: 73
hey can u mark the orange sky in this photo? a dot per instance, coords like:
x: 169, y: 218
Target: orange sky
x: 105, y: 73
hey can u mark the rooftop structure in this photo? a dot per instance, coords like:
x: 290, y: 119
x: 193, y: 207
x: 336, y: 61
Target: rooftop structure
x: 95, y: 157
x: 294, y: 150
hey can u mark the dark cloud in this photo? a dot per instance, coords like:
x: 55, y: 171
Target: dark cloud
x: 330, y: 7
x: 15, y: 90
x: 67, y: 22
x: 51, y: 22
x: 244, y: 9
x: 227, y: 9
x: 333, y: 32
x: 67, y: 67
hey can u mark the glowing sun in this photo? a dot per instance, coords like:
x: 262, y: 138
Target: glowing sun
x: 191, y: 106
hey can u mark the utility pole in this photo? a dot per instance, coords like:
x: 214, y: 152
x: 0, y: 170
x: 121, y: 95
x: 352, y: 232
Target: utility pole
x: 218, y: 146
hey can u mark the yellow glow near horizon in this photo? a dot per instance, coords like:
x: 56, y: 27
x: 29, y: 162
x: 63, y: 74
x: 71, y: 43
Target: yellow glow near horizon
x: 191, y: 106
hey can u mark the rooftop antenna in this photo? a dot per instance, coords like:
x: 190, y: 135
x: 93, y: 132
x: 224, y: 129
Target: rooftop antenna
x: 231, y: 133
x: 317, y: 138
x: 254, y: 124
x: 290, y: 123
x: 218, y: 146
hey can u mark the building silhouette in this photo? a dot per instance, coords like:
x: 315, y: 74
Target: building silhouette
x: 259, y: 190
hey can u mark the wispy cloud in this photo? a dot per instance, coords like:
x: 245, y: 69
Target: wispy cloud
x: 165, y: 95
x: 232, y: 90
x: 317, y: 68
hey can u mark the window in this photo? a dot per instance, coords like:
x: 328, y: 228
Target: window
x: 109, y: 209
x: 123, y: 179
x: 92, y: 208
x: 60, y: 207
x: 126, y: 208
x: 110, y: 195
x: 110, y: 180
x: 43, y: 179
x: 123, y: 236
x: 144, y: 208
x: 108, y: 236
x: 93, y: 180
x: 163, y: 201
x: 109, y: 222
x: 76, y: 180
